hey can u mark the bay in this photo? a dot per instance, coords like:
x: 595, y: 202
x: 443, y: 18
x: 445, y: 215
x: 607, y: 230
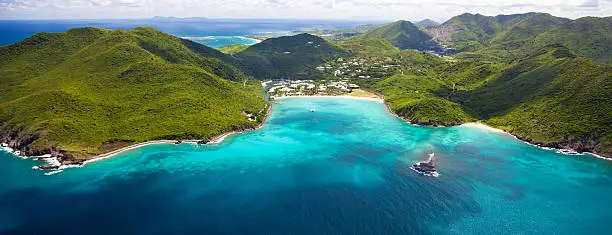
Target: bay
x: 343, y: 169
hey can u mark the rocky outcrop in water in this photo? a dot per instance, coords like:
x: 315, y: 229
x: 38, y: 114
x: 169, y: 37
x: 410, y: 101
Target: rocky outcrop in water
x: 427, y: 167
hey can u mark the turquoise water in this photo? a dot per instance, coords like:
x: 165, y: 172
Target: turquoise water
x: 340, y: 170
x: 220, y: 41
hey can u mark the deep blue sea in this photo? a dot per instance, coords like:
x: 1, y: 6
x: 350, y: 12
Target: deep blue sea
x: 343, y: 169
x: 12, y: 31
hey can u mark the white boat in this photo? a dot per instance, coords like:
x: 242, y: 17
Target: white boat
x: 312, y: 110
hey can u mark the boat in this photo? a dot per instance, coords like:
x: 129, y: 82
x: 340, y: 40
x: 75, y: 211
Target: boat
x: 312, y: 110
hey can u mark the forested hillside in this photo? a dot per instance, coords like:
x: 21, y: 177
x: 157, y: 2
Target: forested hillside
x: 469, y: 32
x: 588, y: 37
x: 288, y: 57
x: 541, y: 77
x: 401, y: 34
x: 88, y: 91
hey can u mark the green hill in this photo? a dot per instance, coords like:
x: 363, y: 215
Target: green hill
x: 520, y: 35
x: 88, y: 91
x: 469, y: 32
x: 522, y: 27
x: 291, y: 57
x: 369, y: 47
x: 412, y: 97
x: 401, y: 34
x: 427, y: 23
x: 550, y: 97
x: 588, y: 37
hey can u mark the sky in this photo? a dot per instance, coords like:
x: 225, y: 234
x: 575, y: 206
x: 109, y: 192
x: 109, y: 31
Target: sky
x: 439, y: 10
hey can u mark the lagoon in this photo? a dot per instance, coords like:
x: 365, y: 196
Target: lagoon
x: 221, y: 41
x: 342, y: 169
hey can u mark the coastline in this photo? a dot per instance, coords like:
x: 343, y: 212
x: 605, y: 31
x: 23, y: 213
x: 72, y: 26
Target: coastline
x: 379, y: 100
x: 481, y: 125
x: 199, y: 38
x: 128, y: 148
x: 218, y: 139
x: 214, y: 140
x: 256, y: 39
x: 563, y: 151
x: 55, y: 166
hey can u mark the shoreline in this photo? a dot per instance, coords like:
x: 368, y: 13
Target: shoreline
x: 379, y: 100
x: 212, y: 37
x: 214, y: 140
x: 480, y: 125
x: 564, y: 151
x: 125, y: 149
x: 247, y: 37
x: 218, y: 139
x: 54, y: 165
x: 58, y: 167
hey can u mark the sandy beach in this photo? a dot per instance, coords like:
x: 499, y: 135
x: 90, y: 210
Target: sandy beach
x: 379, y: 100
x: 121, y: 150
x: 483, y: 126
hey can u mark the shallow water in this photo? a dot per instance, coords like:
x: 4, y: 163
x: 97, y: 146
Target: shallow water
x: 342, y: 169
x: 221, y: 41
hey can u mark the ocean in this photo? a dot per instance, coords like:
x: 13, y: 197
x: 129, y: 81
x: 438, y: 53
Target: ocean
x: 343, y: 169
x: 12, y: 31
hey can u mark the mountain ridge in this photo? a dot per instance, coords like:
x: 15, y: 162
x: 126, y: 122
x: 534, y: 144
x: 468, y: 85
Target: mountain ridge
x: 401, y: 34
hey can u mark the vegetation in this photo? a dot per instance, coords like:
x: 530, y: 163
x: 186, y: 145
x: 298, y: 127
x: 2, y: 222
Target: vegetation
x: 550, y: 97
x: 337, y: 35
x: 369, y: 47
x: 471, y: 32
x: 289, y: 57
x: 85, y: 89
x: 588, y: 37
x: 427, y: 23
x: 233, y: 49
x: 412, y: 97
x: 401, y: 34
x: 519, y: 73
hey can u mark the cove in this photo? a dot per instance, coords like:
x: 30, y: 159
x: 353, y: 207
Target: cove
x: 221, y: 41
x: 343, y: 169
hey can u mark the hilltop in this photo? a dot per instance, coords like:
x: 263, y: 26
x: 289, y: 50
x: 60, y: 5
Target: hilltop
x: 290, y: 57
x: 427, y: 23
x: 88, y: 91
x: 588, y: 37
x: 475, y: 31
x: 401, y: 34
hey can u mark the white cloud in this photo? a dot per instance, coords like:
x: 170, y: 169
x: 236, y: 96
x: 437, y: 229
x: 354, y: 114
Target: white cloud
x: 371, y: 9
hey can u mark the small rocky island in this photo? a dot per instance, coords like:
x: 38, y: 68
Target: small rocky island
x: 427, y: 167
